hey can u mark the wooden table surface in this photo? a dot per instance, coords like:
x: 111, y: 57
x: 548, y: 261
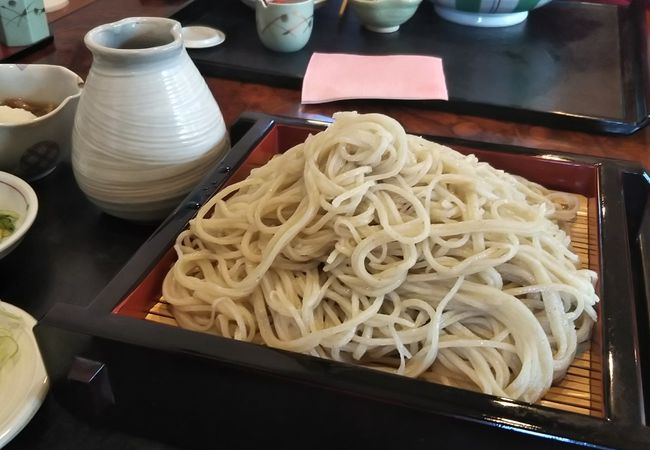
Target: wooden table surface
x: 234, y: 97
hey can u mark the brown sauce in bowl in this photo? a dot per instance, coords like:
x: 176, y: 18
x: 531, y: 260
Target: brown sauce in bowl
x: 37, y: 108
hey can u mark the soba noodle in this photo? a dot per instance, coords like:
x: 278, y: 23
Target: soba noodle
x: 368, y: 245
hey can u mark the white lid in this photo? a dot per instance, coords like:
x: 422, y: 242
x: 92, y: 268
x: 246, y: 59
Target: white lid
x: 201, y: 37
x: 54, y: 5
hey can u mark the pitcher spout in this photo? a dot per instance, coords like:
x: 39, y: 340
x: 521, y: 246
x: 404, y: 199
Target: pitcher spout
x: 145, y: 38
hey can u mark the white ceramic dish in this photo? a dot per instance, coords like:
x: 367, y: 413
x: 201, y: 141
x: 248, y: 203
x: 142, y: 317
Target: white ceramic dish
x: 18, y: 196
x: 23, y: 382
x: 55, y: 5
x: 32, y: 149
x: 202, y: 37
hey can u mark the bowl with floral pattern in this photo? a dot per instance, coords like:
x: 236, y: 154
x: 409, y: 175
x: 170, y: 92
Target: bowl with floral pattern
x: 486, y: 13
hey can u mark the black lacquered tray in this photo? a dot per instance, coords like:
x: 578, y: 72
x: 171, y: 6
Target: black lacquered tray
x: 571, y: 64
x: 11, y: 54
x: 113, y: 361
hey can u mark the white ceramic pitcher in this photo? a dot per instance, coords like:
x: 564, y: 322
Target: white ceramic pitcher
x: 147, y: 127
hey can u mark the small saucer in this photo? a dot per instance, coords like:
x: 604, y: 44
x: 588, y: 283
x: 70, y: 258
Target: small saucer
x: 55, y: 5
x: 196, y: 36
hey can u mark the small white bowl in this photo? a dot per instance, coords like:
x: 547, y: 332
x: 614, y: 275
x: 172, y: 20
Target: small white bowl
x: 18, y: 196
x: 32, y: 149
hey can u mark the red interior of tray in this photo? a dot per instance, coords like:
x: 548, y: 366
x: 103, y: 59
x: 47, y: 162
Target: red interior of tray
x: 147, y: 293
x: 581, y: 391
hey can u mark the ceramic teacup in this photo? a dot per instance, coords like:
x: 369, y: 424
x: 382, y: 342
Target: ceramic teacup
x: 284, y: 25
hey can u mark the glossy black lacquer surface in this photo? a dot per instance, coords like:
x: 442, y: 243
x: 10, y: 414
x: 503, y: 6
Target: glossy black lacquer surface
x: 197, y: 390
x: 12, y: 54
x: 551, y: 69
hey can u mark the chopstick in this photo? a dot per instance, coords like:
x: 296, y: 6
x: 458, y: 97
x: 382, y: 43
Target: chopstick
x: 344, y: 5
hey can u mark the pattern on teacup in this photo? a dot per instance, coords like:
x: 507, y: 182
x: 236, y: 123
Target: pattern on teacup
x: 303, y: 23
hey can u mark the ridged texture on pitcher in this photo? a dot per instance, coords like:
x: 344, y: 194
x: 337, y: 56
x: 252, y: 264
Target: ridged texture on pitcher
x: 147, y: 127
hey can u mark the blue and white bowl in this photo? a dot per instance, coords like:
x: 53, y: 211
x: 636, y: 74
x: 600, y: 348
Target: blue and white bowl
x: 486, y: 13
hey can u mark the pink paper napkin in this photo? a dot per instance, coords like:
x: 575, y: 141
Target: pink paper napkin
x: 336, y: 76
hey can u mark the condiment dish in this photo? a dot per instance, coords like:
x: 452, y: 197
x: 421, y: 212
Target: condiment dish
x: 33, y: 148
x: 17, y: 197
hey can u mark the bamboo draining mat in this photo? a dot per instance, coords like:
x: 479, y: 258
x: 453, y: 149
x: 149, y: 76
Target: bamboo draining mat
x: 581, y: 389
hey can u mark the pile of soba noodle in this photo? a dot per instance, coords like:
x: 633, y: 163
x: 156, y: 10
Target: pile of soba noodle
x: 368, y: 245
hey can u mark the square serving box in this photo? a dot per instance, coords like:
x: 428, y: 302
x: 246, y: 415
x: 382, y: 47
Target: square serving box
x: 122, y: 360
